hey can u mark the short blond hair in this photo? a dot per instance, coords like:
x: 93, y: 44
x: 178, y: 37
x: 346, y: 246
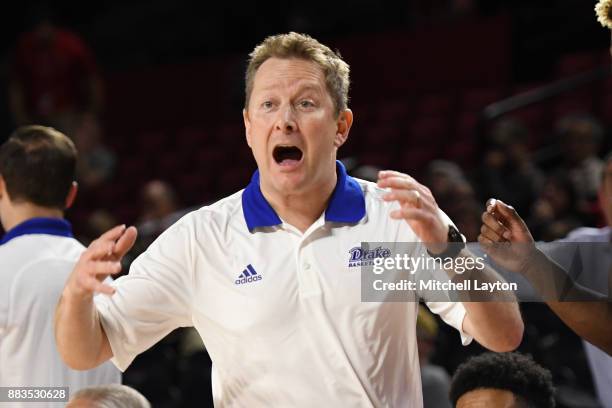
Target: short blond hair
x: 303, y: 46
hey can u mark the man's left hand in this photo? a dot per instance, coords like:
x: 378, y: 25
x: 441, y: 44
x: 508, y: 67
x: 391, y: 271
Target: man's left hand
x: 417, y: 207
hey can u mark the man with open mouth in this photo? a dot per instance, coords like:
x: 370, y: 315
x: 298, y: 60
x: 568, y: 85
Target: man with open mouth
x: 271, y: 275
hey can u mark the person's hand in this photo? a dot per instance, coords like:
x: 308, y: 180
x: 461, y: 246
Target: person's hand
x: 417, y: 207
x: 101, y: 259
x: 505, y: 237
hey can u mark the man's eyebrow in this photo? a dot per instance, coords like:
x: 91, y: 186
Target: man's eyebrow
x: 309, y: 86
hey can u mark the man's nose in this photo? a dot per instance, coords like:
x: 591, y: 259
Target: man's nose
x: 286, y: 120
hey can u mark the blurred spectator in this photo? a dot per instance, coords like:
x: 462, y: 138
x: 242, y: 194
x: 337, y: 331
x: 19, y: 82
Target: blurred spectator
x: 466, y: 215
x: 502, y: 380
x: 366, y: 172
x: 160, y: 209
x: 97, y: 222
x: 455, y: 196
x: 53, y: 75
x: 554, y: 213
x: 96, y: 161
x: 508, y: 172
x: 581, y: 136
x: 447, y: 183
x: 596, y: 271
x: 435, y: 379
x: 108, y: 396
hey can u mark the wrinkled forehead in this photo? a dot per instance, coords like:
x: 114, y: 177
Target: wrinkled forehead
x: 284, y: 73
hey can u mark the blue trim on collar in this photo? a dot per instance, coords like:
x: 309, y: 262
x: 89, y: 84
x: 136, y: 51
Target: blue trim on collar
x: 48, y: 226
x: 256, y: 209
x: 346, y: 205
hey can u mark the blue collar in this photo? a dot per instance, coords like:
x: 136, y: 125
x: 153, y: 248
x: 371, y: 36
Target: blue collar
x: 48, y: 226
x: 346, y: 205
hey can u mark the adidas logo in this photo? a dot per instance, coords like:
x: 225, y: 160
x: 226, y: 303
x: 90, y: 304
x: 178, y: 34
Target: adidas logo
x: 248, y: 275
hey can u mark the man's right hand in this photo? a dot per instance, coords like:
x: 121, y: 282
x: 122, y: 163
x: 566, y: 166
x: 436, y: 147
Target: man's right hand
x: 101, y: 259
x: 505, y: 237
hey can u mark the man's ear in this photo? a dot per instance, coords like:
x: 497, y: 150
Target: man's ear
x: 3, y: 190
x: 343, y: 126
x: 72, y: 193
x: 247, y: 125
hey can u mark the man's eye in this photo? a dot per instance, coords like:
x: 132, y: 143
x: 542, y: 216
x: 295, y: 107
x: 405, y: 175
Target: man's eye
x: 306, y: 104
x: 267, y: 105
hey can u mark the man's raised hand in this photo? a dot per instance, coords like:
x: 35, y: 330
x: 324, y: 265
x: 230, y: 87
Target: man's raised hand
x: 101, y: 259
x: 418, y: 208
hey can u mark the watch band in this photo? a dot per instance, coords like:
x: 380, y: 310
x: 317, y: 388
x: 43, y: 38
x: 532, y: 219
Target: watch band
x: 455, y: 244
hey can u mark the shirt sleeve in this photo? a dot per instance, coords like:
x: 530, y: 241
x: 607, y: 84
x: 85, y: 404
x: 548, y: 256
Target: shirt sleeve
x: 153, y: 299
x: 453, y: 314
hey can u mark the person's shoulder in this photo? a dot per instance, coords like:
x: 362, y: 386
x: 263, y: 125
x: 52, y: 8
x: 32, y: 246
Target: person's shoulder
x: 36, y: 251
x: 219, y: 213
x: 589, y: 234
x: 42, y: 246
x: 371, y: 191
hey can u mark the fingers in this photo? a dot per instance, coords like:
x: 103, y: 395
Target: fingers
x: 92, y: 285
x: 404, y: 189
x: 97, y: 269
x: 411, y: 197
x: 99, y: 250
x: 501, y: 223
x: 86, y: 279
x: 101, y: 269
x: 113, y: 244
x: 506, y: 214
x: 491, y: 235
x: 112, y: 234
x: 400, y: 182
x: 493, y: 228
x: 125, y: 242
x: 383, y: 174
x: 103, y: 246
x: 100, y: 260
x: 485, y: 240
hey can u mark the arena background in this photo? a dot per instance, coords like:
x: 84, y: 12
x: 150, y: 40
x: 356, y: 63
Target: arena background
x: 422, y: 74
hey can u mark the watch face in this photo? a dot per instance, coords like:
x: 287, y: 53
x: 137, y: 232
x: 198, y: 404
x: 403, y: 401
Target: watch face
x: 454, y: 235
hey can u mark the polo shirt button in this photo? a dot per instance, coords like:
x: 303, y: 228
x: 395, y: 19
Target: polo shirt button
x: 306, y: 266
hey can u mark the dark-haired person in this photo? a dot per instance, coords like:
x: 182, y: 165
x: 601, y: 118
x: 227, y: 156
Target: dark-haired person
x: 53, y: 77
x: 502, y: 380
x: 589, y: 314
x: 37, y: 253
x: 265, y: 275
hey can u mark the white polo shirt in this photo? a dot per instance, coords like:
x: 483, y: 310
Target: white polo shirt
x: 279, y: 311
x: 36, y: 258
